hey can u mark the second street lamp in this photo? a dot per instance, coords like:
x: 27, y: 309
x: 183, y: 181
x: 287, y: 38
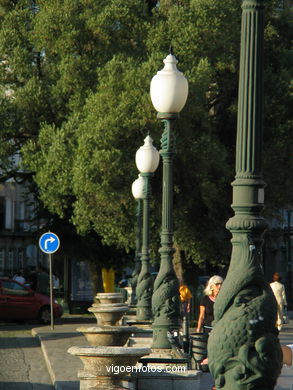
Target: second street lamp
x: 147, y: 161
x: 169, y: 90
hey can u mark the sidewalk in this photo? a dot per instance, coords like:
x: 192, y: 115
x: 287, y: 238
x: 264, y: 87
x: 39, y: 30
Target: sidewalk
x: 63, y: 367
x: 285, y: 380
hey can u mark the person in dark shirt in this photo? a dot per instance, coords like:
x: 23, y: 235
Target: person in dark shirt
x: 206, y: 311
x: 32, y: 279
x: 43, y: 281
x: 206, y: 307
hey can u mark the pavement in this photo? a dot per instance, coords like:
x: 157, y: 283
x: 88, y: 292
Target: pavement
x: 22, y: 366
x: 63, y: 367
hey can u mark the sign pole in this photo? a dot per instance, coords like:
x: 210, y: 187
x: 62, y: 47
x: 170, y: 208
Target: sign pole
x: 51, y: 291
x: 49, y: 243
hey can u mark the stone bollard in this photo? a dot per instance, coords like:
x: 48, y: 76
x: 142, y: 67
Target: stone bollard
x: 107, y: 335
x: 108, y: 314
x: 105, y: 367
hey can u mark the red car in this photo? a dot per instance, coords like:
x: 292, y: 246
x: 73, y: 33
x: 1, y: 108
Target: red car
x: 19, y: 302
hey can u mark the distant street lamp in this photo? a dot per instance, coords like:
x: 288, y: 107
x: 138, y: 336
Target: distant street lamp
x: 289, y: 269
x: 169, y: 91
x: 137, y: 192
x: 147, y: 160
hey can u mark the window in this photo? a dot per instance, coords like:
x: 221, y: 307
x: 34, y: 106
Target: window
x: 8, y: 213
x: 10, y: 259
x: 31, y: 255
x: 2, y: 259
x: 20, y: 210
x: 20, y: 258
x: 2, y: 212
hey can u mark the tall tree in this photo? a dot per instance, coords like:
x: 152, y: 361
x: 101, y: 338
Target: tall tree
x: 76, y: 103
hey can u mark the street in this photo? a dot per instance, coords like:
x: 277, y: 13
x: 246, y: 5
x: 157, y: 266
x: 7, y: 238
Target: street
x: 22, y: 365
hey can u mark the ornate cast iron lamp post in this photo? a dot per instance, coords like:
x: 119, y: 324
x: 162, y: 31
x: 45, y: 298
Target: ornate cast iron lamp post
x: 137, y: 192
x: 289, y: 270
x: 169, y: 90
x: 243, y: 348
x: 147, y: 160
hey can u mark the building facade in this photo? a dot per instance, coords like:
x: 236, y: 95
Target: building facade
x: 18, y: 229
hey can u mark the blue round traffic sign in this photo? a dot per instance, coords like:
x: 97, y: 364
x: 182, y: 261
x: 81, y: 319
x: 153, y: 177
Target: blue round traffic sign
x: 49, y: 242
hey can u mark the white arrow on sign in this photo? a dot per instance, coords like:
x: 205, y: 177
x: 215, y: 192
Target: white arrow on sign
x: 51, y: 239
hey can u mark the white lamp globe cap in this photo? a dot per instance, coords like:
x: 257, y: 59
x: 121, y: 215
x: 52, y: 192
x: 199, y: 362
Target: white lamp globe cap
x: 137, y: 188
x: 169, y: 88
x: 147, y: 157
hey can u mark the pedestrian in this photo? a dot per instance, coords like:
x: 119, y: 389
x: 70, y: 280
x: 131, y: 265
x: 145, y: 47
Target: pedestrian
x: 206, y: 307
x: 185, y: 297
x: 280, y: 295
x: 43, y: 281
x: 56, y: 281
x: 206, y: 311
x: 18, y: 277
x: 32, y: 279
x: 287, y: 355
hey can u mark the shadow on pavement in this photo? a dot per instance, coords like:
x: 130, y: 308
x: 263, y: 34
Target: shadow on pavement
x: 60, y: 335
x: 24, y: 386
x: 18, y: 342
x: 68, y: 385
x: 15, y: 326
x: 76, y: 320
x: 27, y: 325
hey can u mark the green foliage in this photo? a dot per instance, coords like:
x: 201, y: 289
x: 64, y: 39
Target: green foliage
x: 116, y: 119
x: 278, y: 111
x: 78, y: 73
x: 55, y: 158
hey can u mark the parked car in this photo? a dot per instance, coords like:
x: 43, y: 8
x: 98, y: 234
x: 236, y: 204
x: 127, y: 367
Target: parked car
x: 19, y: 302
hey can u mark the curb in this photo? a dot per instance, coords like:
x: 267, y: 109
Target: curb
x: 47, y: 360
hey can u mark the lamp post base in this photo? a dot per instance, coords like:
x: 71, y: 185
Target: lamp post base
x: 143, y: 313
x: 160, y: 338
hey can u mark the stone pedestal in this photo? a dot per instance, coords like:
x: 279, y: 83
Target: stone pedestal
x: 110, y: 308
x: 105, y: 298
x: 108, y: 314
x: 105, y: 367
x: 107, y: 335
x: 92, y: 382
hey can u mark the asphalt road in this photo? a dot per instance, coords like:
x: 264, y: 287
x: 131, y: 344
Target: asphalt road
x: 22, y: 365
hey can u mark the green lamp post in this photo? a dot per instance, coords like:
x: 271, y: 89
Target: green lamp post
x: 243, y: 348
x: 289, y: 270
x: 137, y: 192
x: 147, y: 160
x: 169, y: 91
